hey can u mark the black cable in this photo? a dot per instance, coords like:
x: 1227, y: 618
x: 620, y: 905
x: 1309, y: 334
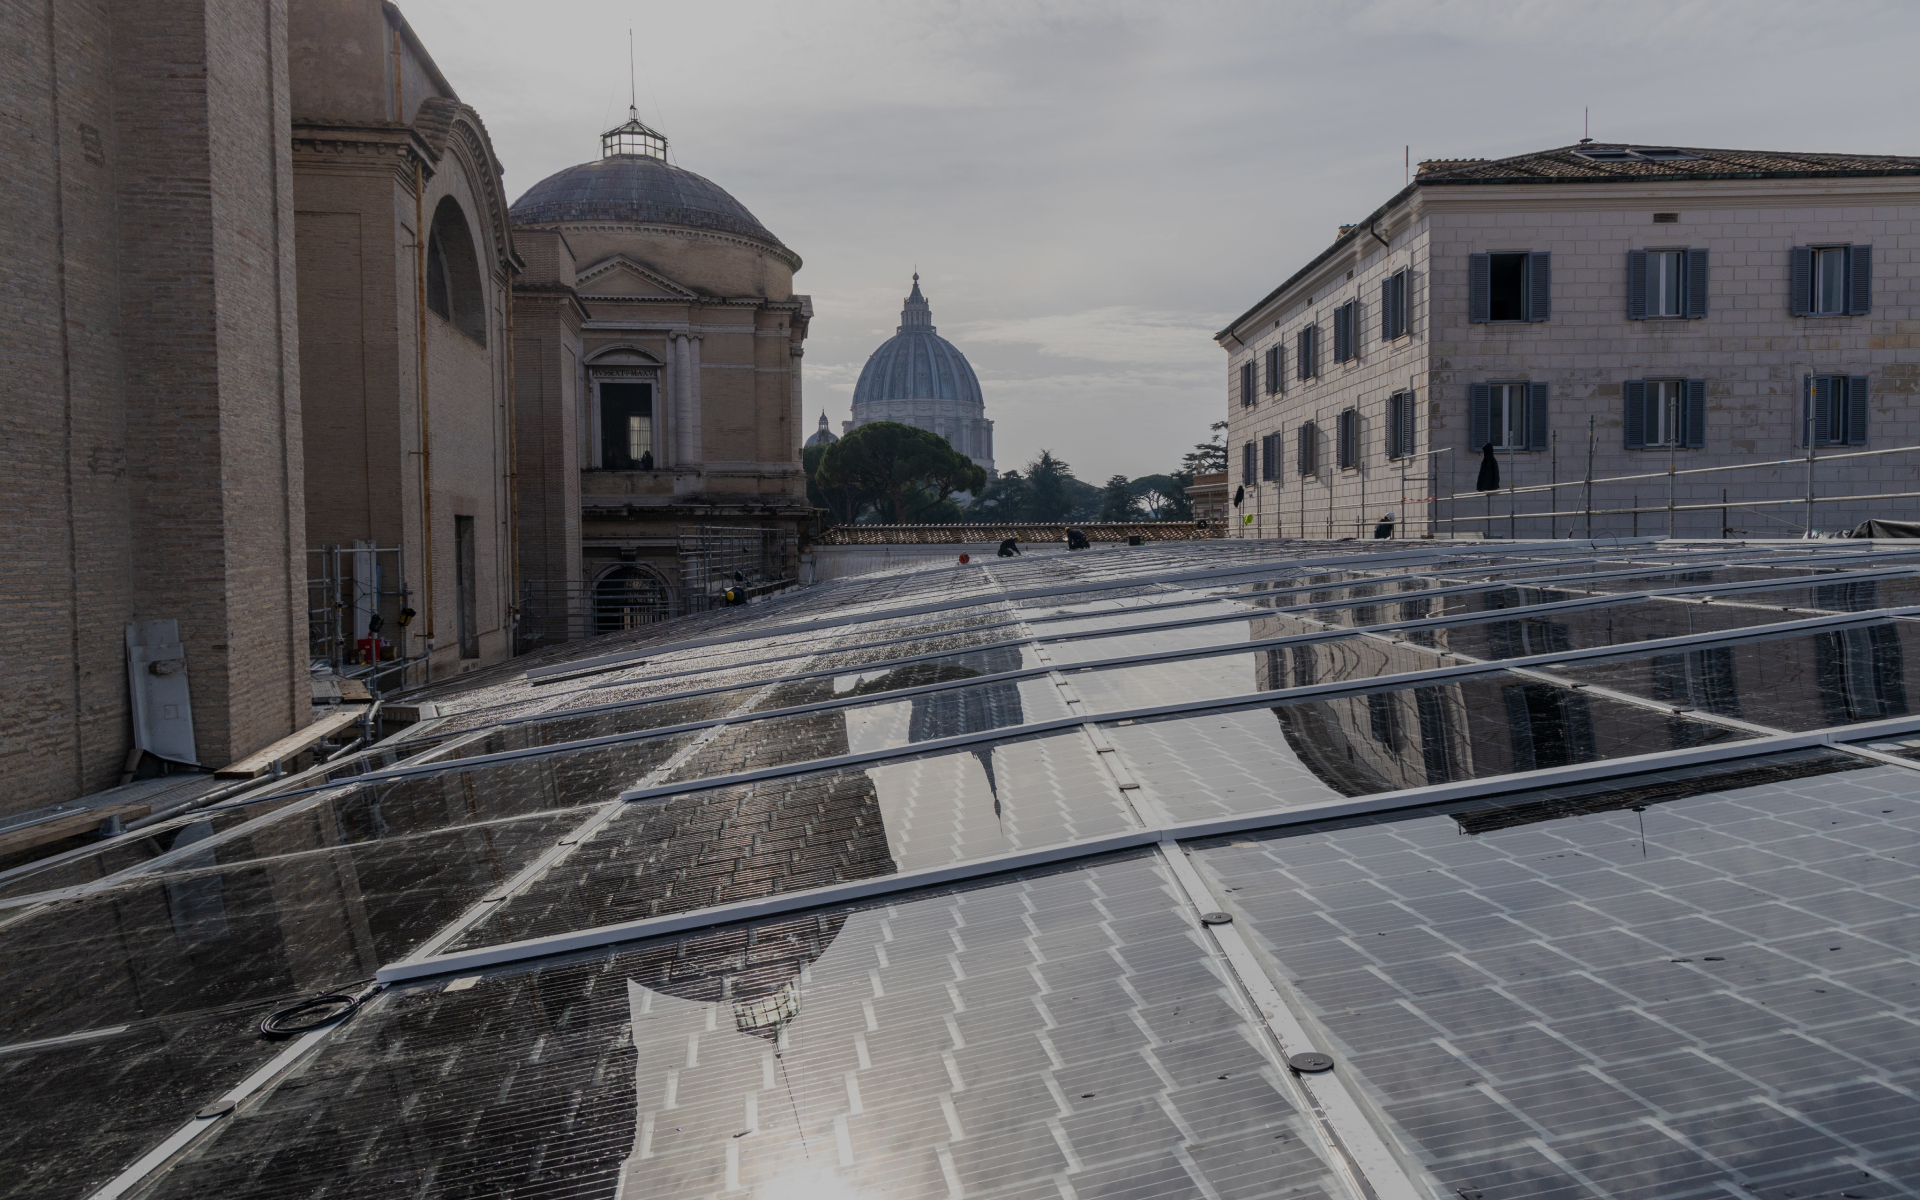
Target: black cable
x: 284, y: 1023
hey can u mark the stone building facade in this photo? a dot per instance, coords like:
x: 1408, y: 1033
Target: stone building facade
x: 658, y: 353
x: 919, y: 378
x: 404, y: 338
x: 1638, y: 307
x: 151, y: 459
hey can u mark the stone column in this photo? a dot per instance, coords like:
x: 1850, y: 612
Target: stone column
x: 694, y: 452
x: 678, y: 406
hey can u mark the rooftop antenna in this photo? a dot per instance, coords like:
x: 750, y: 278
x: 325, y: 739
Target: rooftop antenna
x: 633, y: 91
x: 1407, y: 166
x: 1586, y: 131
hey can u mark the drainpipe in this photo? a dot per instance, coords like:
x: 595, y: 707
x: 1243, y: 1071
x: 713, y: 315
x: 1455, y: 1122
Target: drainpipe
x: 426, y: 428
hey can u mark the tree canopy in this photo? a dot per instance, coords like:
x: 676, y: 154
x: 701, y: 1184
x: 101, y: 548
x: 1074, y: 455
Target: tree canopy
x: 905, y: 473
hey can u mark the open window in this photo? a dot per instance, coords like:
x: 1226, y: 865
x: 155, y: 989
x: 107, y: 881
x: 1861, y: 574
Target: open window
x: 454, y: 290
x: 626, y: 426
x: 1515, y: 286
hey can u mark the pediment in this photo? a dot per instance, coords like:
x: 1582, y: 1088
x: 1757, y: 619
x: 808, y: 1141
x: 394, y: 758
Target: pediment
x: 619, y: 275
x: 622, y: 356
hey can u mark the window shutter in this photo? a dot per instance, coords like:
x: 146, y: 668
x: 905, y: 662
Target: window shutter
x: 1276, y: 367
x: 1303, y: 354
x: 1407, y: 443
x: 1539, y: 286
x: 1246, y: 463
x: 1823, y: 410
x: 1480, y: 288
x: 1536, y: 416
x: 1246, y: 383
x: 1303, y: 455
x: 1356, y: 328
x: 1693, y: 430
x: 1402, y: 303
x: 1635, y: 415
x: 1267, y: 447
x: 1396, y: 403
x: 1695, y: 283
x: 1343, y: 333
x: 1856, y: 410
x: 1800, y: 281
x: 1859, y: 280
x: 1636, y: 285
x: 1479, y: 415
x: 1349, y: 434
x: 1387, y: 333
x: 1279, y: 455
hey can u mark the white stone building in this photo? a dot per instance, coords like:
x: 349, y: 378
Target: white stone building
x: 1637, y: 307
x: 919, y: 378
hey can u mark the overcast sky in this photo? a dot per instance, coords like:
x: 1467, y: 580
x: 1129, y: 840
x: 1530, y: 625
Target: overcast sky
x: 1090, y: 191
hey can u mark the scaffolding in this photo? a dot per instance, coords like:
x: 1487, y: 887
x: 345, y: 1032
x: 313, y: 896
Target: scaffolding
x: 358, y: 609
x: 714, y: 558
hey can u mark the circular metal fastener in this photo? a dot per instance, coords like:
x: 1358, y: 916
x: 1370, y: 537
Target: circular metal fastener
x: 1216, y: 918
x: 218, y: 1108
x: 1311, y: 1061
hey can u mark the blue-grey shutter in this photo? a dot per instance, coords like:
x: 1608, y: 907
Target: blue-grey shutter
x: 1343, y: 333
x: 1636, y: 285
x: 1800, y: 281
x: 1356, y: 328
x: 1386, y: 308
x: 1480, y: 288
x: 1479, y: 415
x: 1349, y: 436
x: 1539, y: 286
x: 1822, y: 410
x: 1536, y: 416
x: 1635, y: 414
x: 1859, y: 280
x: 1407, y: 428
x: 1857, y: 410
x: 1246, y: 383
x: 1279, y: 455
x: 1303, y: 354
x: 1693, y: 432
x: 1276, y: 365
x: 1246, y: 463
x: 1694, y: 283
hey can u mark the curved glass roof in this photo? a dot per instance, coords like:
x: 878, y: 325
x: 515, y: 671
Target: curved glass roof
x: 1588, y: 865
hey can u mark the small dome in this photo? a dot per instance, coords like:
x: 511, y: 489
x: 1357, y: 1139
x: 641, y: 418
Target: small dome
x: 634, y: 182
x: 916, y: 363
x: 824, y: 436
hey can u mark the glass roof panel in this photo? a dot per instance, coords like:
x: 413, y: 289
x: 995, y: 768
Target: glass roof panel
x: 1807, y: 681
x: 1315, y: 751
x: 1051, y: 1031
x: 744, y: 841
x: 1701, y: 978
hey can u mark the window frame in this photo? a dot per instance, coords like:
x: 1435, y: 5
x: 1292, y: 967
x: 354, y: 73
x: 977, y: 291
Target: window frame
x: 1306, y: 456
x: 1848, y: 414
x: 1306, y: 356
x: 1803, y: 279
x: 1401, y: 427
x: 1247, y: 396
x: 1536, y: 287
x: 1276, y: 365
x: 1535, y: 416
x: 1346, y: 346
x: 1395, y: 316
x: 1347, y: 454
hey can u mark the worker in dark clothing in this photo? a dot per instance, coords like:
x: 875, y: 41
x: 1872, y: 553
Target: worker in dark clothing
x: 1385, y: 528
x: 1010, y: 547
x: 1077, y: 540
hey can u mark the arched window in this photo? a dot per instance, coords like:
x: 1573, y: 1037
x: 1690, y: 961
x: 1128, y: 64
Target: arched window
x: 627, y: 598
x: 453, y: 273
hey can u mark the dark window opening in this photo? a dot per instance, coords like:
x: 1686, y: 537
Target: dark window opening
x: 1275, y: 370
x: 1349, y: 439
x: 1308, y: 443
x: 467, y: 615
x: 1345, y: 325
x: 1507, y: 287
x: 1306, y: 355
x: 626, y: 426
x: 627, y: 598
x: 454, y: 289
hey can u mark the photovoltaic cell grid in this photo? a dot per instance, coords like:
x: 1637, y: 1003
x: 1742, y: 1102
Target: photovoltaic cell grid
x: 543, y: 1088
x: 1002, y: 1039
x: 1707, y: 981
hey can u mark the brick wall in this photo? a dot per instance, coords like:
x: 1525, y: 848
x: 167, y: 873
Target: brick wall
x: 152, y: 440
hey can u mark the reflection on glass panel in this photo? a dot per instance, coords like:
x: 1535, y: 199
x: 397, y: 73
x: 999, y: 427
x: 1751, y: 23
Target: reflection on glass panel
x: 1654, y: 983
x: 1054, y: 1031
x: 721, y: 845
x: 1809, y: 681
x: 1313, y: 751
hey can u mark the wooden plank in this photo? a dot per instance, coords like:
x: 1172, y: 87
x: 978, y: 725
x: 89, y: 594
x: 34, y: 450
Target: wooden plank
x: 66, y: 825
x: 255, y: 765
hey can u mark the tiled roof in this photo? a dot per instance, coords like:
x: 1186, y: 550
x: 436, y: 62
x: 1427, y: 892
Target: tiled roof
x: 1602, y: 161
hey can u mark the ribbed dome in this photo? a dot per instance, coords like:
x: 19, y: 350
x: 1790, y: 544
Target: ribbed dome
x: 637, y: 188
x: 916, y: 363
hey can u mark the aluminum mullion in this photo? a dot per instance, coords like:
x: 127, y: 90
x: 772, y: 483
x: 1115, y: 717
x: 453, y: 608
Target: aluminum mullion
x: 610, y: 662
x: 1353, y: 1140
x: 1470, y: 789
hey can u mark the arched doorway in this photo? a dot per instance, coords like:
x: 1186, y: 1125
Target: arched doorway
x: 626, y: 598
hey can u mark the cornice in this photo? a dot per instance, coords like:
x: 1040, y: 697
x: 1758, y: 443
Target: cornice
x: 684, y: 232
